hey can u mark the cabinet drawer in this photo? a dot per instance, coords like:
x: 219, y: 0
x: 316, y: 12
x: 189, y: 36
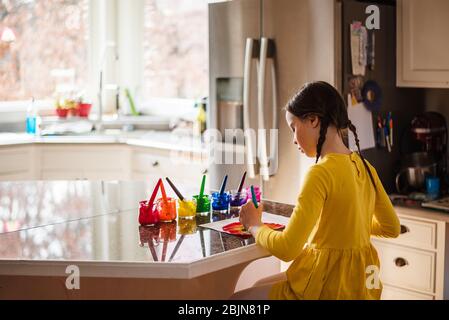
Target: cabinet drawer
x: 415, y: 233
x: 392, y: 293
x: 165, y: 165
x: 405, y: 267
x: 150, y: 163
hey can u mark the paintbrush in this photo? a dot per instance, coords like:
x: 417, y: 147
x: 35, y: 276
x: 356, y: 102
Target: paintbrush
x: 180, y: 196
x: 242, y: 181
x: 223, y: 184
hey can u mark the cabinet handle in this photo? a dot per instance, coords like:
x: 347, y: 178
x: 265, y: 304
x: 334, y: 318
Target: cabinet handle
x: 204, y: 171
x: 155, y: 163
x: 400, y: 262
x: 404, y: 229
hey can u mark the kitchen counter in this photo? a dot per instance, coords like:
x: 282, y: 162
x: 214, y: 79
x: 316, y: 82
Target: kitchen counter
x: 414, y: 208
x: 46, y: 226
x: 156, y: 139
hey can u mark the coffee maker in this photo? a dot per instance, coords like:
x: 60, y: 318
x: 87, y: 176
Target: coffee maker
x: 430, y: 132
x: 426, y: 155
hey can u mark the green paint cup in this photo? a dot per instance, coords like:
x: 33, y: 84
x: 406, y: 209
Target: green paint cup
x: 202, y: 205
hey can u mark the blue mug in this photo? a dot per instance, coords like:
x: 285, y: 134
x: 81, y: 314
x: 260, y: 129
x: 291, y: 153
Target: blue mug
x: 433, y: 187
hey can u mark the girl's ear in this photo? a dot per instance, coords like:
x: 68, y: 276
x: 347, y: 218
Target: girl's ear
x: 314, y: 121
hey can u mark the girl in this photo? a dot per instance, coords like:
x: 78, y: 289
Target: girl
x: 341, y: 204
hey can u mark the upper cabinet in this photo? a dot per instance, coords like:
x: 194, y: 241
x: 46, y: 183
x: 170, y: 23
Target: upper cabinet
x: 423, y: 43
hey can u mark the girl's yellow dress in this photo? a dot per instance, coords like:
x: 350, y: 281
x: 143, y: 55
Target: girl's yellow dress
x: 328, y: 235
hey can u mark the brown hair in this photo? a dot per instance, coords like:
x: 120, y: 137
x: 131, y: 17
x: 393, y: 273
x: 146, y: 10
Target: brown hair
x: 323, y: 100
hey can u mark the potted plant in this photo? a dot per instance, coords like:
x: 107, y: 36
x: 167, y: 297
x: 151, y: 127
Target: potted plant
x: 72, y: 106
x: 84, y: 106
x: 61, y: 110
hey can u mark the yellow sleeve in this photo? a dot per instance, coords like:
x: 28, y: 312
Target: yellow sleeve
x: 287, y: 245
x: 385, y: 222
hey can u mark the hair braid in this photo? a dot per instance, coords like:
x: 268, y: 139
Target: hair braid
x: 354, y: 131
x: 324, y: 124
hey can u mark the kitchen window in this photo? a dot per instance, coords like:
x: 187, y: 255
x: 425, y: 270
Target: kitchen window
x: 43, y: 48
x: 175, y: 49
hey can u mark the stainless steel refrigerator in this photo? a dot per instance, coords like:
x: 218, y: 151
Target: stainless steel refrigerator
x: 256, y: 63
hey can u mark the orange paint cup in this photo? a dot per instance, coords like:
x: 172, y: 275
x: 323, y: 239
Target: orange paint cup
x: 166, y: 209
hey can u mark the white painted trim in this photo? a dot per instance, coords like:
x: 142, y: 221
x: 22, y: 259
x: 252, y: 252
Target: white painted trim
x: 149, y: 270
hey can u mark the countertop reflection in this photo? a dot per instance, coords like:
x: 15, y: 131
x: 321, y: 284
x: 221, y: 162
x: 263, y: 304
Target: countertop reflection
x: 117, y: 237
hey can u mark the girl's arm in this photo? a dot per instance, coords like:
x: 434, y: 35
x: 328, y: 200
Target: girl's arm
x: 385, y: 222
x: 287, y: 245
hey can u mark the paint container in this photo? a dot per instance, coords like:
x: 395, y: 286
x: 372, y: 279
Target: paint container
x: 186, y: 209
x: 256, y: 191
x: 220, y: 202
x: 202, y: 205
x: 238, y: 199
x: 148, y: 214
x: 166, y: 209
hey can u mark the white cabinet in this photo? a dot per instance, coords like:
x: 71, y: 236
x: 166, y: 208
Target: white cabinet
x: 183, y: 168
x: 74, y: 161
x: 416, y: 264
x: 423, y: 43
x: 17, y: 162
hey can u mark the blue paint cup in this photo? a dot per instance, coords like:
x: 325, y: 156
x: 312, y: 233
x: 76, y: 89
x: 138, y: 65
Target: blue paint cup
x: 220, y: 202
x: 433, y: 187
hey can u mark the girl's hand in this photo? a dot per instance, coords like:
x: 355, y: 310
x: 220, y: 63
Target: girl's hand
x: 250, y: 216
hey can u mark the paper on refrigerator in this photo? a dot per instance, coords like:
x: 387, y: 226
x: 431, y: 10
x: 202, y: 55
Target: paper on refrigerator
x: 361, y: 118
x: 358, y: 44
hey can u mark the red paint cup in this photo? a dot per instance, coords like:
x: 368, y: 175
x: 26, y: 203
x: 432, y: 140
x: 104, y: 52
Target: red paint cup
x: 147, y: 213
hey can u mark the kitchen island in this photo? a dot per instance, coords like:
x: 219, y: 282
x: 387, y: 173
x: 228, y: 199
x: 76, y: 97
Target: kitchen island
x: 48, y: 229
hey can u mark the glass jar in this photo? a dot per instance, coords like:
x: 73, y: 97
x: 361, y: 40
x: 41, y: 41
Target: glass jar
x: 202, y: 205
x: 147, y: 213
x: 256, y: 191
x: 220, y: 202
x: 166, y: 209
x: 186, y: 209
x: 238, y: 199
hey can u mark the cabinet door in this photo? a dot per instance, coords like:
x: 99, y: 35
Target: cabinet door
x: 16, y: 163
x: 423, y: 43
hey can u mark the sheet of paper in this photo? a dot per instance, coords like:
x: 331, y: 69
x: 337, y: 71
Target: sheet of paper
x: 266, y: 217
x: 358, y: 48
x: 361, y: 118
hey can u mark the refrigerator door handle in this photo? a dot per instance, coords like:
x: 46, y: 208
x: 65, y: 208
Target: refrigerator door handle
x: 261, y: 134
x: 274, y: 132
x: 246, y: 101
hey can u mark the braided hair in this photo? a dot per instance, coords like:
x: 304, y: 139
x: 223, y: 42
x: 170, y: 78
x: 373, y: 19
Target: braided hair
x: 323, y: 100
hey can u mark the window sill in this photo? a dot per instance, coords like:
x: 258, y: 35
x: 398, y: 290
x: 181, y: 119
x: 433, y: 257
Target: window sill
x: 15, y: 111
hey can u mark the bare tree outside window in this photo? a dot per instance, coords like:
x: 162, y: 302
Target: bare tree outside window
x: 175, y: 49
x: 43, y: 45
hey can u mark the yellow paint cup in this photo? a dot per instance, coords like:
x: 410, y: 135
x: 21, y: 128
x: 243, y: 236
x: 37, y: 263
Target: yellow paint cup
x: 186, y: 209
